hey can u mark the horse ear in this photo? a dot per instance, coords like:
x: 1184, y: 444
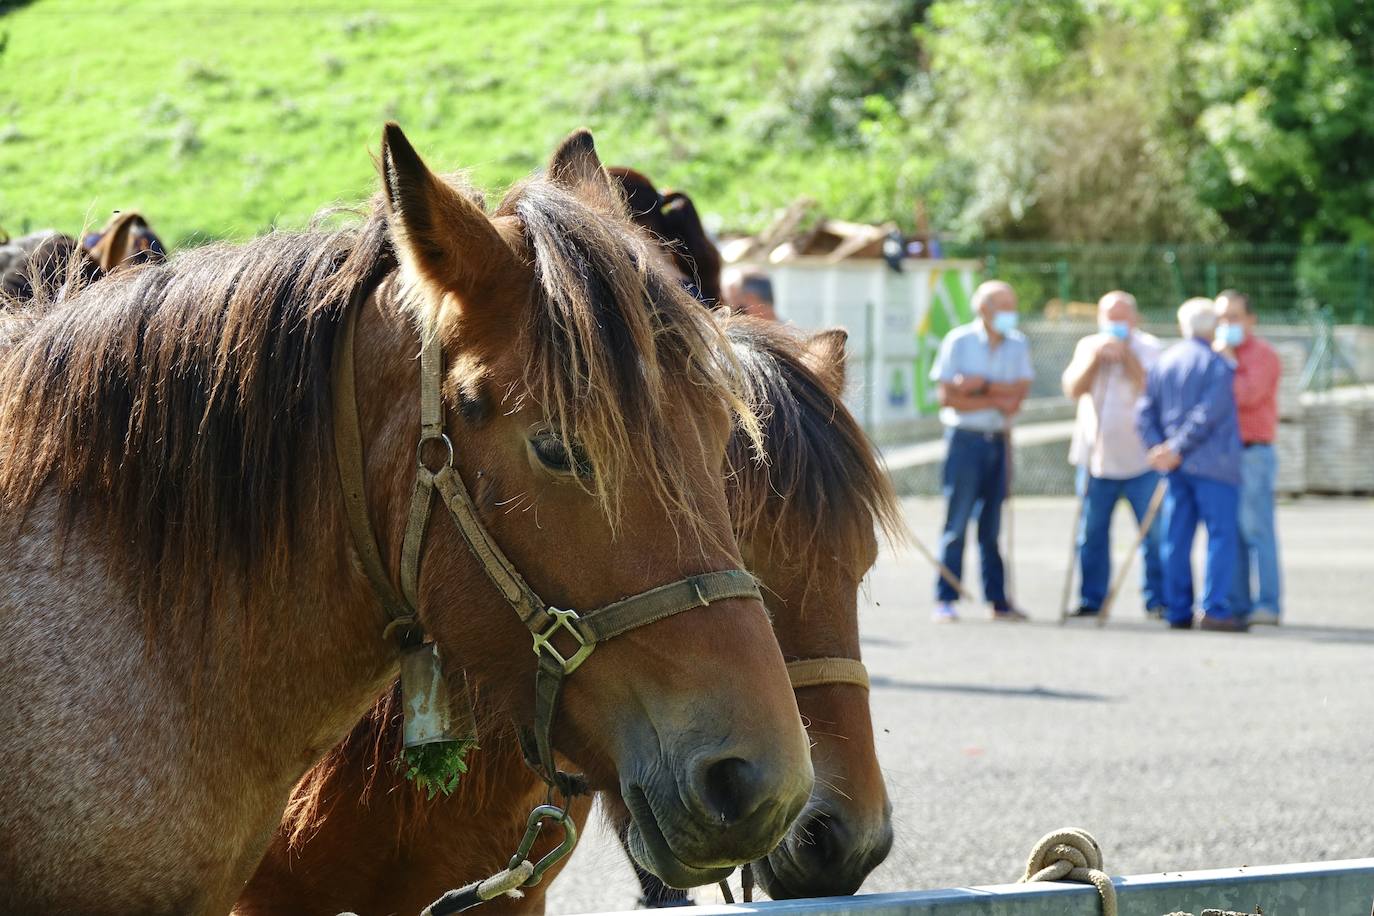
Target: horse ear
x: 440, y: 234
x: 576, y: 166
x: 824, y: 354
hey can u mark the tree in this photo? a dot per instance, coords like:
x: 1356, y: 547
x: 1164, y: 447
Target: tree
x: 1288, y: 122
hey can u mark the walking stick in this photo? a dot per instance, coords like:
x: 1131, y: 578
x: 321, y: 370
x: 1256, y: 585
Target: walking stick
x: 1073, y: 559
x: 945, y: 572
x: 1010, y: 572
x: 1067, y: 594
x: 1156, y: 500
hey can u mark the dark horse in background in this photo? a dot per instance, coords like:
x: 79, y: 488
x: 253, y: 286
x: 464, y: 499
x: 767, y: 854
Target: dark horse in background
x: 672, y: 219
x: 49, y: 261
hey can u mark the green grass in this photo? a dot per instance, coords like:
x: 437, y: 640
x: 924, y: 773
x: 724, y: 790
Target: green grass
x: 221, y: 119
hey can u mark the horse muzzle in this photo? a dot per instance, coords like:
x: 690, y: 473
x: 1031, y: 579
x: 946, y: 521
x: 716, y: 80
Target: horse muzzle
x: 696, y: 826
x: 826, y: 854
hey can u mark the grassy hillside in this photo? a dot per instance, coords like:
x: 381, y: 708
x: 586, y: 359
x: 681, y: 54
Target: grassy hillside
x: 221, y: 118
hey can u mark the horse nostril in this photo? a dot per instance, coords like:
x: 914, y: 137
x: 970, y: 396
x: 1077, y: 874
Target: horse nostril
x: 730, y: 790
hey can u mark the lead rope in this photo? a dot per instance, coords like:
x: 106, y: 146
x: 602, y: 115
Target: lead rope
x: 1071, y: 854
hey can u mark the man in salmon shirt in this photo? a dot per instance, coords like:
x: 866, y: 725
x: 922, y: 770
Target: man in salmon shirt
x: 1257, y: 402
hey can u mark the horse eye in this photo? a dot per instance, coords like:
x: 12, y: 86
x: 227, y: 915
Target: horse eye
x: 554, y: 454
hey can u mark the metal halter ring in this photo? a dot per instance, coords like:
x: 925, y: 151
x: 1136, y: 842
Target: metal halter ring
x: 536, y: 821
x: 433, y: 437
x: 562, y: 621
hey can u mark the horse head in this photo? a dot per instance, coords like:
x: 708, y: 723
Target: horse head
x: 590, y: 409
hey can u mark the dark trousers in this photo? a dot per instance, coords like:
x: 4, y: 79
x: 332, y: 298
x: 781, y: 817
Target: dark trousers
x: 975, y: 483
x: 1191, y: 498
x: 1100, y: 496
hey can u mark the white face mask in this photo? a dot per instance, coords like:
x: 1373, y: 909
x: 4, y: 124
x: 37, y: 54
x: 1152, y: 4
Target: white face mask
x: 1004, y: 322
x: 1231, y: 335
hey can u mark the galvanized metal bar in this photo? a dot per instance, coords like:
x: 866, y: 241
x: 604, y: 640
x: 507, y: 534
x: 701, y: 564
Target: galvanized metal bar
x: 1343, y: 888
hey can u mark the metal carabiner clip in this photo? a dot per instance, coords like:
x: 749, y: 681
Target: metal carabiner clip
x: 557, y: 854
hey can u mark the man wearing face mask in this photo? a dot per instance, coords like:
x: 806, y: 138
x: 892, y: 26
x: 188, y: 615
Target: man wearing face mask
x: 983, y: 372
x: 1187, y: 419
x: 1258, y: 369
x: 1105, y: 377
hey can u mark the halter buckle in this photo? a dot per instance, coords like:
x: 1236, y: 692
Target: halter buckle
x: 536, y: 821
x: 562, y: 620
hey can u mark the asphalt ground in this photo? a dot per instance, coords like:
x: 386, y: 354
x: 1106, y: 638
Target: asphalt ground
x: 1177, y: 750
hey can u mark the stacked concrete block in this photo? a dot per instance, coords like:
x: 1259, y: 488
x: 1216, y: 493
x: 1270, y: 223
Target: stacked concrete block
x: 1293, y: 358
x: 1340, y: 440
x: 1290, y: 447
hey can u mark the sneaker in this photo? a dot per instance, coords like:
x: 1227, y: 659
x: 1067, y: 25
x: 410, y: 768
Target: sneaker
x: 1008, y: 613
x: 1155, y: 613
x: 945, y: 613
x: 1263, y: 617
x: 1086, y: 611
x: 1223, y: 624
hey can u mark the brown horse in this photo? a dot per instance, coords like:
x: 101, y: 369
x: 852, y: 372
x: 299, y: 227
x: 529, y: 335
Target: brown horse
x: 357, y: 837
x: 671, y: 219
x: 185, y: 625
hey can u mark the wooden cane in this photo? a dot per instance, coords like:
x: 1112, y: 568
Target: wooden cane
x: 1156, y: 500
x: 1010, y: 570
x: 1073, y: 559
x: 945, y: 572
x: 1083, y: 497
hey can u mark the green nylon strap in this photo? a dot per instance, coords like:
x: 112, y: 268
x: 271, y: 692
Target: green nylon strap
x: 665, y: 601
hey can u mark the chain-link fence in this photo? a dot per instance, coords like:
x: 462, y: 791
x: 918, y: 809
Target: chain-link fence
x: 1277, y: 278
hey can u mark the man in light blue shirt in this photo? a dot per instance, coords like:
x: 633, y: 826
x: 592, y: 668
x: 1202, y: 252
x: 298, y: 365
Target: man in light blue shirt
x: 983, y: 372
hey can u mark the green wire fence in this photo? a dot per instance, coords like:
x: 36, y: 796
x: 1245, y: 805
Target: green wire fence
x: 1277, y: 278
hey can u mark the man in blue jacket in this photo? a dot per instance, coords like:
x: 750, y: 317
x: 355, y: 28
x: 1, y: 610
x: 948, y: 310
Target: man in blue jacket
x: 1187, y: 420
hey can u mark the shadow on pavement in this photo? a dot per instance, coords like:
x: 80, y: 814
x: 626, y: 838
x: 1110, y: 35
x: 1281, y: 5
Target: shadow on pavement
x: 1031, y: 693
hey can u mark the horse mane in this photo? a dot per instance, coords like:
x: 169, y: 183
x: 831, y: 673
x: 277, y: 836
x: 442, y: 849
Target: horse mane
x: 611, y: 339
x: 181, y: 400
x: 821, y: 483
x: 186, y: 400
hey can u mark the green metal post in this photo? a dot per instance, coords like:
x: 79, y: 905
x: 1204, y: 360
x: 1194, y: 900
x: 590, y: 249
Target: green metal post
x: 1065, y: 284
x: 1212, y: 289
x: 1362, y: 285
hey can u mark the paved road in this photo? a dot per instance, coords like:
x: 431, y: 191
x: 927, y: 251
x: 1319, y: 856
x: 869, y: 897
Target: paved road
x: 1177, y: 750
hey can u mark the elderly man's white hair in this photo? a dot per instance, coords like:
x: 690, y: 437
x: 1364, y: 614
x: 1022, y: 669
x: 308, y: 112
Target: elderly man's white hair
x: 1197, y: 317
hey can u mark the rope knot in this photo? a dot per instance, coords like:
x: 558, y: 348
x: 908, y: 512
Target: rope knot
x: 1071, y: 854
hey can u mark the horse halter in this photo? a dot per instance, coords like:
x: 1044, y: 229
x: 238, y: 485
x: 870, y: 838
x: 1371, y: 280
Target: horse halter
x: 826, y: 672
x: 586, y: 629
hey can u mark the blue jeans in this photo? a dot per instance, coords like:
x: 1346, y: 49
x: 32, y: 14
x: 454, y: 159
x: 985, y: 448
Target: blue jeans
x: 1258, y: 544
x: 975, y: 483
x: 1189, y: 499
x: 1100, y: 496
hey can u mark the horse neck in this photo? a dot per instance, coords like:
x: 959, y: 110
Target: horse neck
x: 314, y: 647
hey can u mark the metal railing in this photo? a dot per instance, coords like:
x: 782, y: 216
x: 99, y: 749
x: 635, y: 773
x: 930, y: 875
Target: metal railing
x: 1317, y: 889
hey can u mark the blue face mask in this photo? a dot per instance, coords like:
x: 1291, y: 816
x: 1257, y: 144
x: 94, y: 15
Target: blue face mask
x: 1118, y: 329
x: 1232, y: 335
x: 1004, y: 322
